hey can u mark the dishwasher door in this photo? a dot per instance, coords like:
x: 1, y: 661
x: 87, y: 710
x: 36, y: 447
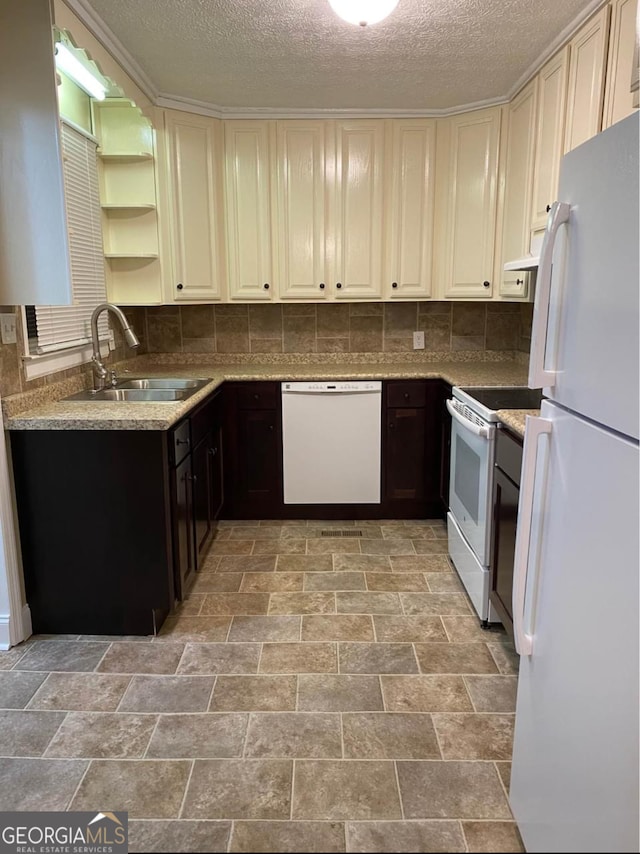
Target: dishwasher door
x: 331, y: 438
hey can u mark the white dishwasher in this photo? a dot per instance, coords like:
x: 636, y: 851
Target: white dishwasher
x: 331, y: 433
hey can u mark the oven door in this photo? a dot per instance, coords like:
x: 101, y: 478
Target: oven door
x: 472, y: 453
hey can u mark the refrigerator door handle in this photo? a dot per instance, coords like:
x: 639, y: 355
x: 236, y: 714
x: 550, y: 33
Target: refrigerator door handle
x: 535, y: 428
x: 539, y: 376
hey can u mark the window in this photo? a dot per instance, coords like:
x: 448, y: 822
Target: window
x: 63, y: 333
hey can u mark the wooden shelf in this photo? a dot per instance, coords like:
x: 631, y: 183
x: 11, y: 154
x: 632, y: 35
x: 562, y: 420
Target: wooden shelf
x: 115, y: 255
x: 130, y: 208
x: 125, y: 156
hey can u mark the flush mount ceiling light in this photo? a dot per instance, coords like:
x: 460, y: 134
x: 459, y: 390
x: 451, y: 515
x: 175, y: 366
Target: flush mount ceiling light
x: 363, y: 12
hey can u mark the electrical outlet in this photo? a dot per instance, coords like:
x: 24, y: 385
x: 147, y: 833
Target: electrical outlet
x: 8, y: 328
x: 418, y: 340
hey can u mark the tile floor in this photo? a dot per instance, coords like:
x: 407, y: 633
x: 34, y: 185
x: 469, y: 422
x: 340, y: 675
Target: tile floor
x: 312, y: 694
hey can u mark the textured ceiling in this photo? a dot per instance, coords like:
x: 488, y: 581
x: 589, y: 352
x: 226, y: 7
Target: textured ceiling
x: 429, y: 54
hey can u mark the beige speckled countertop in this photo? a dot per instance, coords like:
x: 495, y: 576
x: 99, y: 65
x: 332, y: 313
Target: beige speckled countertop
x: 45, y: 410
x: 515, y: 419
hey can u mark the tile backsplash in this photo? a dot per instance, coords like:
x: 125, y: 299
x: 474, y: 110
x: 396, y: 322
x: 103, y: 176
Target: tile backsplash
x: 334, y: 328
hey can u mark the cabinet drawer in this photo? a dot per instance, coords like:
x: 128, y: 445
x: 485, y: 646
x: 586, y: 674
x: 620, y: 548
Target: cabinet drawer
x: 410, y: 394
x: 180, y: 442
x: 509, y: 455
x: 258, y: 396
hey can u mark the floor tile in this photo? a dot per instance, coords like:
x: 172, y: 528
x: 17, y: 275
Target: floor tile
x: 27, y: 733
x: 252, y: 563
x: 409, y: 582
x: 167, y: 694
x: 10, y: 657
x: 409, y: 629
x: 280, y: 547
x: 336, y: 627
x: 236, y: 603
x: 302, y: 603
x: 17, y: 687
x: 345, y: 790
x: 299, y: 658
x: 304, y: 563
x: 413, y: 532
x: 209, y: 658
x: 361, y: 563
x: 89, y: 692
x: 288, y: 837
x: 504, y: 770
x: 254, y: 694
x: 294, y: 735
x: 444, y: 582
x: 102, y: 735
x: 265, y: 629
x: 272, y: 582
x: 217, y: 582
x: 492, y: 836
x: 433, y: 789
x: 198, y: 736
x: 368, y: 603
x: 399, y: 836
x: 431, y: 547
x: 424, y: 563
x: 339, y: 693
x: 63, y: 655
x: 142, y: 658
x: 240, y: 788
x: 455, y: 658
x: 333, y: 546
x: 211, y: 562
x: 259, y: 533
x: 334, y: 581
x: 425, y: 694
x: 377, y: 658
x: 380, y: 735
x: 461, y: 629
x: 434, y: 603
x: 181, y: 837
x: 492, y: 693
x: 230, y: 547
x: 506, y: 658
x: 190, y: 606
x: 475, y: 736
x: 189, y: 628
x: 39, y: 784
x: 146, y: 789
x: 387, y: 547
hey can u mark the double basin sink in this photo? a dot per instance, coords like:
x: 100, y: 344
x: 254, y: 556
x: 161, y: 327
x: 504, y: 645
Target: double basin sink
x: 143, y: 390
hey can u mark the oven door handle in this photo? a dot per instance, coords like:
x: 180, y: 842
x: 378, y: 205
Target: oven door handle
x: 468, y: 425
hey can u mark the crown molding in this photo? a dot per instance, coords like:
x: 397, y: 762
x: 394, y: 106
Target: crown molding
x: 94, y: 23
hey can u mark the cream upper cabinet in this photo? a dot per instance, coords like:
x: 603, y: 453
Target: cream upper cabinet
x: 587, y: 60
x: 248, y: 146
x: 467, y: 166
x: 618, y: 99
x: 516, y: 211
x: 303, y: 148
x: 552, y: 100
x: 409, y: 210
x: 194, y: 153
x: 358, y: 217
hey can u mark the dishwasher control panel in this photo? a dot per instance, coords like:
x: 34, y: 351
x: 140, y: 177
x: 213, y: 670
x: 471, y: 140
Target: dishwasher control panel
x: 329, y: 387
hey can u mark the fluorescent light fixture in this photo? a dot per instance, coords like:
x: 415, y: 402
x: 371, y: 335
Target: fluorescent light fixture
x: 363, y: 12
x: 79, y: 73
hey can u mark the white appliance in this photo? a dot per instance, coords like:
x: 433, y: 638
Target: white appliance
x: 574, y: 780
x: 331, y: 440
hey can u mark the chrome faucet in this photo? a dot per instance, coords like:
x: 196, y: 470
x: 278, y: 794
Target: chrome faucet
x: 100, y: 373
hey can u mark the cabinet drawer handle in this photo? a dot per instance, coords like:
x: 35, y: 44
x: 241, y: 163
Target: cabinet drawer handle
x: 338, y: 285
x: 519, y: 281
x: 391, y: 426
x: 192, y: 477
x: 266, y: 286
x: 270, y: 426
x: 486, y: 284
x: 321, y: 286
x: 179, y: 286
x: 182, y: 441
x: 394, y: 284
x: 548, y: 208
x: 406, y: 395
x: 256, y: 397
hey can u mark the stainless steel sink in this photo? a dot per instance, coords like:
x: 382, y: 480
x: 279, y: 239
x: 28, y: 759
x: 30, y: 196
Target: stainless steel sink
x: 143, y: 390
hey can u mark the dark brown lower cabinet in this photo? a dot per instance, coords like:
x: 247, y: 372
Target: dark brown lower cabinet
x: 506, y: 491
x: 445, y: 446
x: 186, y: 525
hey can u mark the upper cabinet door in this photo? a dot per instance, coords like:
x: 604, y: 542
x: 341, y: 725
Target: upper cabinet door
x: 248, y: 147
x: 587, y: 59
x: 516, y: 215
x: 359, y: 209
x: 194, y: 147
x: 618, y: 99
x: 410, y: 209
x: 552, y: 99
x: 302, y: 207
x: 466, y: 202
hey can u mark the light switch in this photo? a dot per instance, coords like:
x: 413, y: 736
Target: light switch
x: 8, y: 328
x: 418, y: 340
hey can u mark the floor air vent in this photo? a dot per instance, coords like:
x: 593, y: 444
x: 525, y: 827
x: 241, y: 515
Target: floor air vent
x: 350, y: 533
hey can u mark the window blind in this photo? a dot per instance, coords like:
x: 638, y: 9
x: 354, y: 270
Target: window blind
x: 61, y: 327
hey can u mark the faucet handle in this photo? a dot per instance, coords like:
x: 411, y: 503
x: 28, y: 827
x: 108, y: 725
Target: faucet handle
x: 113, y: 378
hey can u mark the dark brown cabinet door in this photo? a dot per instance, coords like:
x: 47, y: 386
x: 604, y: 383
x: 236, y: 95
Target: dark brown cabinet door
x: 202, y: 495
x: 505, y: 509
x: 445, y: 446
x: 259, y: 461
x: 405, y: 454
x: 216, y: 471
x: 183, y: 522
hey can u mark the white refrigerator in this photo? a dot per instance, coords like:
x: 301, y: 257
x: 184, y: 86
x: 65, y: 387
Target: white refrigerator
x: 574, y: 782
